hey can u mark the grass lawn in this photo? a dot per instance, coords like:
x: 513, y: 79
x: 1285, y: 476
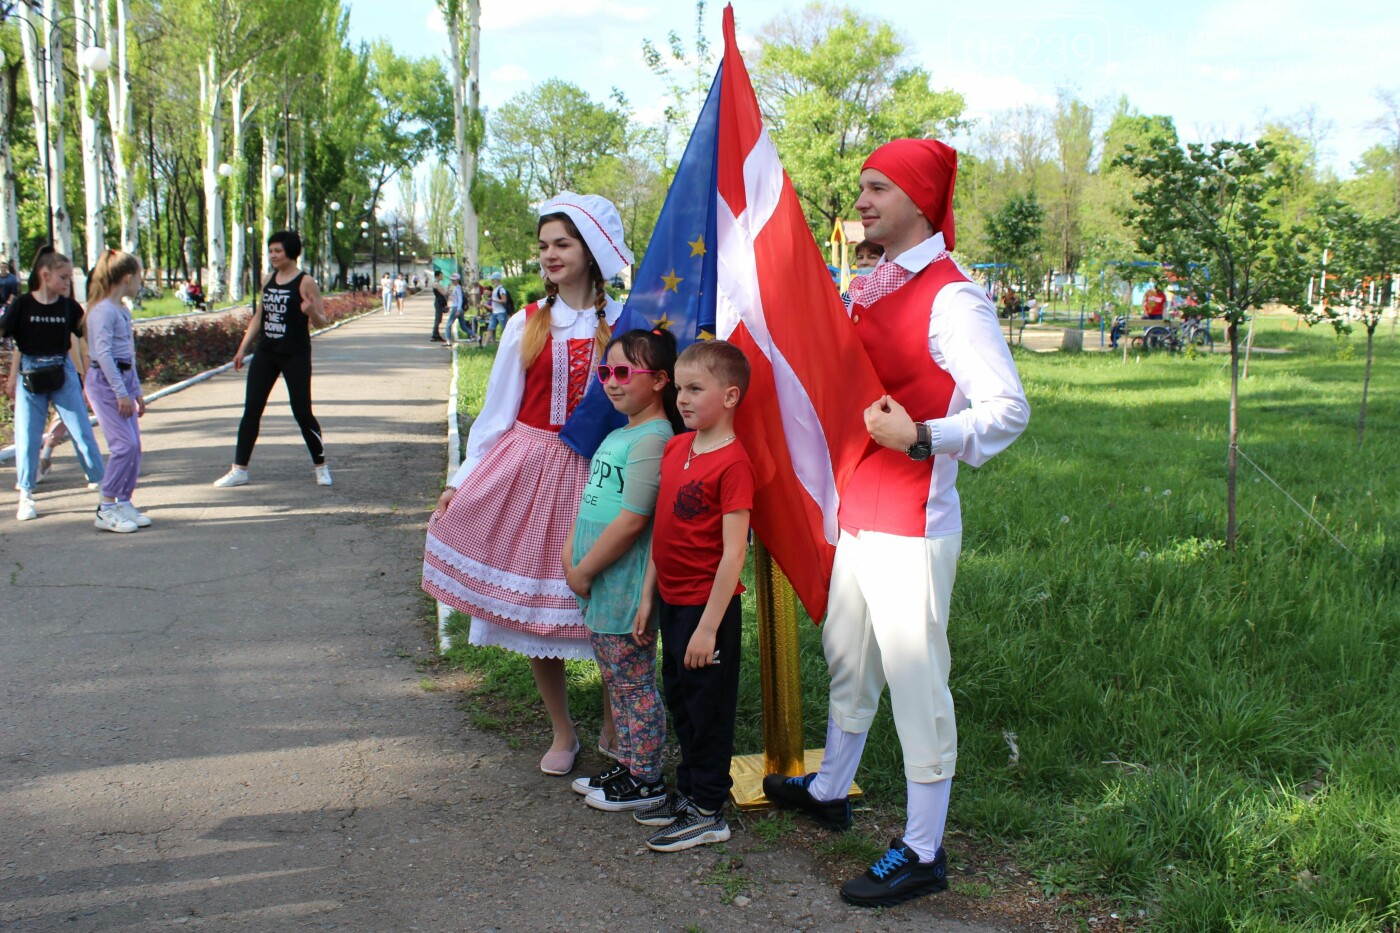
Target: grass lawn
x: 1212, y: 737
x: 169, y: 304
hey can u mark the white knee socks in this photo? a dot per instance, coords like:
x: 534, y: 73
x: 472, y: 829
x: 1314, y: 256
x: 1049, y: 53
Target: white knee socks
x: 926, y: 815
x: 839, y: 763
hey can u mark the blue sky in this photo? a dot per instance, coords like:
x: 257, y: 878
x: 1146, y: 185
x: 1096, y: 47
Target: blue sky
x: 1218, y: 68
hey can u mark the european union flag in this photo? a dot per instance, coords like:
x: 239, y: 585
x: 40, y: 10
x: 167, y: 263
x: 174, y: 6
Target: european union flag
x: 674, y: 287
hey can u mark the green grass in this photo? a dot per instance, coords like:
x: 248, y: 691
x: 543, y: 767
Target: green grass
x: 1212, y: 736
x: 169, y: 304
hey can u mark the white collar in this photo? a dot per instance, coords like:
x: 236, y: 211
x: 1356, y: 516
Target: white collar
x: 562, y: 315
x: 916, y: 258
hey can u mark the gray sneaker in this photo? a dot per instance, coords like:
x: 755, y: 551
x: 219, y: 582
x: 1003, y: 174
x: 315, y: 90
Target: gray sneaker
x: 114, y: 519
x: 691, y: 828
x: 664, y: 812
x: 141, y: 519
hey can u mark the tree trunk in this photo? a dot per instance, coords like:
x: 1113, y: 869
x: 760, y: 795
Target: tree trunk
x: 49, y: 135
x: 119, y: 116
x: 9, y: 200
x: 237, y: 239
x: 465, y: 103
x: 211, y: 122
x: 269, y: 187
x: 95, y: 226
x: 1232, y: 331
x: 1366, y: 382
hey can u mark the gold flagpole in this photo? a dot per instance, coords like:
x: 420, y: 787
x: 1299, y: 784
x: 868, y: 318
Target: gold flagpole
x: 781, y: 680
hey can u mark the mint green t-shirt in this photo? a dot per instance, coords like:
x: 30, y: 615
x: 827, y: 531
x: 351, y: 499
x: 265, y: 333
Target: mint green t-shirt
x: 625, y: 474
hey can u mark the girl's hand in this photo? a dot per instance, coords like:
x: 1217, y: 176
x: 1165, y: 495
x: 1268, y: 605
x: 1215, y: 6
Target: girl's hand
x: 238, y: 360
x: 125, y: 407
x: 701, y: 650
x: 140, y: 405
x: 580, y: 583
x: 641, y: 627
x: 443, y: 502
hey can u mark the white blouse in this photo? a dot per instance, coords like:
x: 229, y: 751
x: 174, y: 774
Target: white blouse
x: 505, y: 389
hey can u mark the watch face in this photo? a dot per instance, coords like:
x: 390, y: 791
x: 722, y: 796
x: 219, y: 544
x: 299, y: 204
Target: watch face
x: 920, y: 451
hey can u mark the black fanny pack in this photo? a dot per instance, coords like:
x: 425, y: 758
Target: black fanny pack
x: 42, y: 374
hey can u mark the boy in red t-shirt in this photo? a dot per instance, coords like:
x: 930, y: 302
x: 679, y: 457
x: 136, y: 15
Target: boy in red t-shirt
x: 699, y: 539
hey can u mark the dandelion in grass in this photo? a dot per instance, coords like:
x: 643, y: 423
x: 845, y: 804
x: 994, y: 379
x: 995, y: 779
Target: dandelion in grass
x: 1143, y: 555
x: 1147, y: 489
x: 1166, y: 492
x: 1064, y: 519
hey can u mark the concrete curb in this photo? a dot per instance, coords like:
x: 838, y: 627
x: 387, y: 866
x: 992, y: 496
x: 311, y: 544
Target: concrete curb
x: 8, y: 453
x: 454, y: 460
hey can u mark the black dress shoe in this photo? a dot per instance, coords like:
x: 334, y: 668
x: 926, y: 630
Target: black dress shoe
x: 899, y: 876
x: 792, y: 793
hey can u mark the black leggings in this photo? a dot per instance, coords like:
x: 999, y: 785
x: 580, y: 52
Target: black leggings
x: 262, y: 376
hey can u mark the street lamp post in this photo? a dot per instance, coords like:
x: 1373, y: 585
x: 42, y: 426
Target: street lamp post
x: 93, y: 58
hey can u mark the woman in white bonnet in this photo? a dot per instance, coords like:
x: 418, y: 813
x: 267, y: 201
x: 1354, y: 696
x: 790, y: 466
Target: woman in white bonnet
x: 495, y: 544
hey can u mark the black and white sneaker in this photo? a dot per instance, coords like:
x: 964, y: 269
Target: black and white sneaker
x: 625, y: 792
x: 897, y: 877
x: 664, y: 812
x: 691, y: 828
x: 587, y: 785
x: 793, y: 793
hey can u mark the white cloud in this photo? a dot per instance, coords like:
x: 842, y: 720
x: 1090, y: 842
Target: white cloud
x: 534, y: 12
x: 436, y: 24
x: 509, y: 74
x: 989, y: 92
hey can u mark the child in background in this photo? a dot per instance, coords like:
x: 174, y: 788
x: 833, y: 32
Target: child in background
x: 611, y: 539
x: 698, y: 547
x: 113, y: 387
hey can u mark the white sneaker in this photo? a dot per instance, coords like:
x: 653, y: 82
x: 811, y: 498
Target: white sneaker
x: 26, y: 511
x: 114, y: 519
x: 323, y: 475
x: 234, y: 477
x: 141, y: 519
x: 94, y: 486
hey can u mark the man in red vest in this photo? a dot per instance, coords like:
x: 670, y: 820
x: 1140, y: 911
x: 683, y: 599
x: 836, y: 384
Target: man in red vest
x: 954, y: 396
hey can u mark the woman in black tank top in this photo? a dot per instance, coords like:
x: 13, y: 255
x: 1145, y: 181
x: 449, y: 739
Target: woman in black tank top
x: 291, y: 303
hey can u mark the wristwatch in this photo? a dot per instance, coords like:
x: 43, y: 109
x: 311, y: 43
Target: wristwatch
x: 922, y: 448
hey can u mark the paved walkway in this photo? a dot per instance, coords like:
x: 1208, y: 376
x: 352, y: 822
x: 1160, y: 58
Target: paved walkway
x: 217, y: 722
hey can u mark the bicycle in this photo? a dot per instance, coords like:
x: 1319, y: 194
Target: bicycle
x: 1192, y: 332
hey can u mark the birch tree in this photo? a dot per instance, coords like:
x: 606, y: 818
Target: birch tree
x: 9, y: 201
x: 85, y: 36
x: 50, y: 94
x: 116, y: 17
x: 466, y: 109
x: 239, y: 114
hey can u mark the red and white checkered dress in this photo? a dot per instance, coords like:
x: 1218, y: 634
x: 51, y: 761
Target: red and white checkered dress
x: 497, y: 551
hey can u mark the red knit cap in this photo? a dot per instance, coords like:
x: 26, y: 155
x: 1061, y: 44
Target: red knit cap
x: 926, y: 170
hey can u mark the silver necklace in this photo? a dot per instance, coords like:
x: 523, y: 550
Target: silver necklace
x: 694, y: 453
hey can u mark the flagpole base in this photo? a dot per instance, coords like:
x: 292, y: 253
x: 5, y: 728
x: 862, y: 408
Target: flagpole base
x: 748, y: 771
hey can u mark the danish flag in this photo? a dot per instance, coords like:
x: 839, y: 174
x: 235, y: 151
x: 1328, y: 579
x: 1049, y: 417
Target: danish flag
x: 766, y: 289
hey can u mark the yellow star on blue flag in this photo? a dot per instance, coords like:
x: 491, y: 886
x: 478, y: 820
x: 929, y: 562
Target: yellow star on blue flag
x: 674, y: 286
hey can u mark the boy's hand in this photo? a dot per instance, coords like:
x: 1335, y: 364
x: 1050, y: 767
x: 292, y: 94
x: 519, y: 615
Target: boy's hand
x: 579, y: 582
x: 701, y: 650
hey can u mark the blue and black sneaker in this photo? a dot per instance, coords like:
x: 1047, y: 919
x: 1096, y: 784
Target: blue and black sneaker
x: 792, y: 793
x: 897, y: 877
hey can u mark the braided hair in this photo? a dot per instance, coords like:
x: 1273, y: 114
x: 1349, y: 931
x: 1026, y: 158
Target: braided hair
x: 536, y: 336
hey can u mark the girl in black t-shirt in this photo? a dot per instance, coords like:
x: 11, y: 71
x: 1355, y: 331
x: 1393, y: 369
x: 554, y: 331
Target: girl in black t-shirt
x: 44, y: 323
